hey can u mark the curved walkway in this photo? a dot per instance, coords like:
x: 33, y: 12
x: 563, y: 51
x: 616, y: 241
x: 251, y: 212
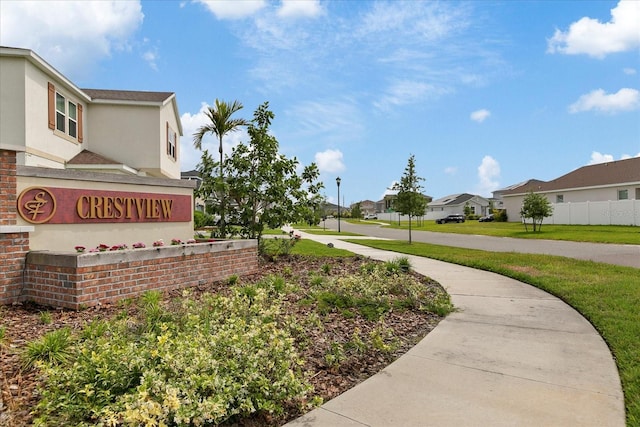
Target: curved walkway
x: 511, y: 355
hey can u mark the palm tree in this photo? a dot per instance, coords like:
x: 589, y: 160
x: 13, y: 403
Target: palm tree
x: 220, y: 124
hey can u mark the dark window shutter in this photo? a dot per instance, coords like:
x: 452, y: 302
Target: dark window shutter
x: 52, y: 106
x: 80, y: 132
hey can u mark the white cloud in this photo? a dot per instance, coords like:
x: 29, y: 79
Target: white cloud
x: 629, y: 71
x: 71, y: 35
x: 327, y: 119
x: 233, y: 9
x: 451, y: 170
x: 330, y: 161
x: 405, y: 92
x: 480, y: 115
x: 422, y: 20
x: 488, y: 173
x: 594, y: 38
x: 189, y: 156
x: 151, y: 57
x: 597, y: 157
x: 300, y: 8
x: 389, y: 191
x: 625, y: 99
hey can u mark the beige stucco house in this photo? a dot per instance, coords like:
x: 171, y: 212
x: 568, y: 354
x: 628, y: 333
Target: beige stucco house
x: 604, y: 193
x: 53, y: 123
x: 92, y: 166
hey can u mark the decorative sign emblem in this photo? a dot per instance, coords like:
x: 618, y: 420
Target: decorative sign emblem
x: 36, y: 205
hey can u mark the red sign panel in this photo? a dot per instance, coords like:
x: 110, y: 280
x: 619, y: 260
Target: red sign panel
x: 40, y: 205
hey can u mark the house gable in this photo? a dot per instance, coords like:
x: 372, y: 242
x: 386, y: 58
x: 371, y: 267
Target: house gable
x: 49, y: 121
x: 144, y: 125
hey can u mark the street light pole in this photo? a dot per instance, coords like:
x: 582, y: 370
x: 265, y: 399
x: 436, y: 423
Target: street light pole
x: 338, y: 182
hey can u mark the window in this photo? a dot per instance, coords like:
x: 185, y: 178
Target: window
x: 559, y: 198
x: 623, y: 194
x: 171, y: 142
x: 637, y: 193
x: 65, y: 116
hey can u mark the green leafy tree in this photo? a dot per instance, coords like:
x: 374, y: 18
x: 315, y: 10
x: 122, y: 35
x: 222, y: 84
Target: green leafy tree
x: 409, y: 200
x: 220, y: 124
x: 356, y: 211
x: 536, y: 207
x: 265, y: 188
x: 467, y: 210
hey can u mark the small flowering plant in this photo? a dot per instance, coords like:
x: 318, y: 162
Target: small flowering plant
x: 79, y: 248
x: 158, y: 243
x: 175, y: 241
x: 102, y: 247
x: 120, y: 247
x: 192, y: 241
x: 139, y: 245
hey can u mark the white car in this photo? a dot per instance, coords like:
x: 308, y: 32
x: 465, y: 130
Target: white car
x: 371, y: 216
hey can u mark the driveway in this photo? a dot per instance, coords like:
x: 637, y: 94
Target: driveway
x: 625, y: 255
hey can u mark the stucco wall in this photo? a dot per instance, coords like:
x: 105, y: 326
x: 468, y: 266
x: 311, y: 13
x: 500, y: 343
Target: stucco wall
x: 12, y: 109
x: 64, y: 237
x: 128, y: 133
x: 169, y: 167
x: 46, y: 147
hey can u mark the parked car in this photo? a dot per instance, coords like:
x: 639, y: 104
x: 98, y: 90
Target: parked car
x: 450, y: 218
x: 371, y: 216
x: 487, y: 218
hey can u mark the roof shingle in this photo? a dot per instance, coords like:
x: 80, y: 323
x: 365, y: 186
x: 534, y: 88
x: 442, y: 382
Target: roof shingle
x: 610, y: 173
x: 127, y: 95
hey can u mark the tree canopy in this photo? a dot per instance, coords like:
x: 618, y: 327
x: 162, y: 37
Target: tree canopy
x: 536, y: 207
x: 264, y: 187
x: 410, y: 200
x: 220, y: 124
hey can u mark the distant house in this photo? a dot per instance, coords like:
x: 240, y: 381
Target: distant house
x: 604, y: 193
x: 366, y: 207
x: 455, y: 204
x: 387, y: 203
x: 53, y: 123
x: 194, y: 175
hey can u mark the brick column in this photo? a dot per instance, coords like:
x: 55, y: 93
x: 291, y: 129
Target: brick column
x: 14, y: 239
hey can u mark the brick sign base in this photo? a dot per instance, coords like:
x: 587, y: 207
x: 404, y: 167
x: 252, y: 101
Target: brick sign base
x: 76, y: 281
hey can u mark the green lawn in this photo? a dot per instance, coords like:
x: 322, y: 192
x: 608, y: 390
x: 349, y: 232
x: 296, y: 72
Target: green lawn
x: 623, y: 234
x: 607, y: 295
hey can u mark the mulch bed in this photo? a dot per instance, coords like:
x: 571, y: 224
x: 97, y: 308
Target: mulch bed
x: 25, y: 323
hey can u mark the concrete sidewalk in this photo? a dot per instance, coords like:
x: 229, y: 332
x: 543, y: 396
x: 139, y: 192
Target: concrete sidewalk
x: 511, y: 355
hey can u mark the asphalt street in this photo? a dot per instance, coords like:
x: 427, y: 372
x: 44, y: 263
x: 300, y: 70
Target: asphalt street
x: 625, y: 255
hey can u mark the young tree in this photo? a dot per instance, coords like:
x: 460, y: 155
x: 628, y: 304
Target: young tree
x: 265, y: 187
x: 467, y: 210
x: 356, y: 212
x: 536, y: 207
x: 409, y: 200
x: 220, y: 124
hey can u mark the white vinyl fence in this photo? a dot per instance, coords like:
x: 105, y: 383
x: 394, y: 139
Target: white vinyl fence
x: 617, y: 212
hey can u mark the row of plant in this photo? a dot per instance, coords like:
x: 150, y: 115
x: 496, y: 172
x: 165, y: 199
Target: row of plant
x: 137, y: 245
x: 221, y: 357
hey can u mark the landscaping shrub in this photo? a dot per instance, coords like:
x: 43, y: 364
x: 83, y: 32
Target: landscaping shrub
x: 215, y: 359
x: 377, y: 289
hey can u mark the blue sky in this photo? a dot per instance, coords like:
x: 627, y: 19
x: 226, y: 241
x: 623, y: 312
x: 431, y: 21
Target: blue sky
x: 485, y: 94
